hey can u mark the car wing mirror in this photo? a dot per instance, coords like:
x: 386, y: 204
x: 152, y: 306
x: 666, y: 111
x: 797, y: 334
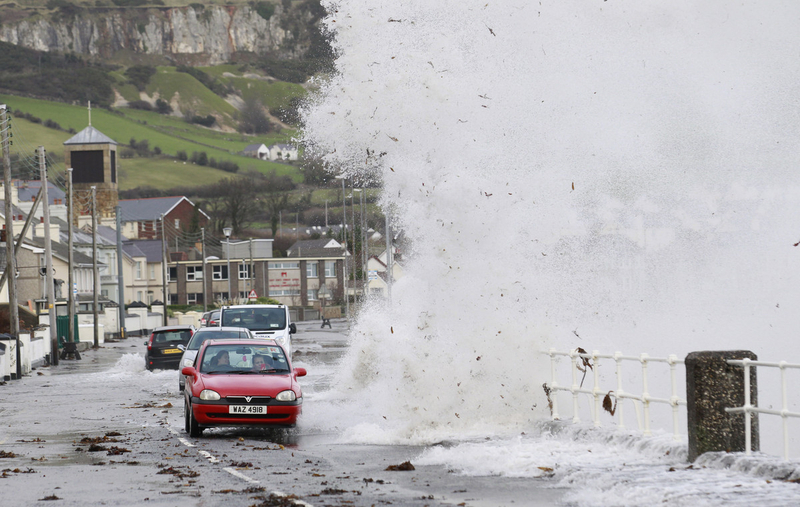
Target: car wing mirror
x: 292, y: 328
x: 300, y: 372
x: 189, y: 371
x: 182, y: 347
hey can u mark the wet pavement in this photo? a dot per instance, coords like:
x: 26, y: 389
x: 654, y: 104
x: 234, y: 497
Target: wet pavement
x: 103, y: 431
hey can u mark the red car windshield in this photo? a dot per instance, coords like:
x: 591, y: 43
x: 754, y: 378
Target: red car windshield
x: 239, y: 359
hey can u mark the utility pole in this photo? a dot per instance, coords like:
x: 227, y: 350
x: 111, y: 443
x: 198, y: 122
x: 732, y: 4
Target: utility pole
x: 71, y: 275
x: 120, y: 278
x: 48, y: 248
x: 11, y: 258
x: 364, y: 246
x: 205, y: 292
x: 388, y: 257
x: 164, y: 268
x: 344, y: 238
x: 95, y: 271
x: 251, y: 271
x: 353, y: 209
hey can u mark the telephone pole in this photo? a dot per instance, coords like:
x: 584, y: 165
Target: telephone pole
x: 164, y: 269
x: 120, y: 278
x: 205, y: 275
x: 48, y: 248
x: 95, y: 271
x: 11, y: 259
x: 71, y: 276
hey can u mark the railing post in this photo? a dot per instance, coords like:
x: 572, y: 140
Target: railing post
x: 620, y: 390
x: 596, y: 388
x: 645, y: 396
x: 553, y: 384
x: 674, y: 398
x: 575, y: 417
x: 711, y: 386
x: 784, y: 410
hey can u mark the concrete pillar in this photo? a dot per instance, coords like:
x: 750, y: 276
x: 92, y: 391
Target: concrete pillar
x: 711, y: 386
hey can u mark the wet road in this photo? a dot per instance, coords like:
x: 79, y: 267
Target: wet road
x: 103, y: 431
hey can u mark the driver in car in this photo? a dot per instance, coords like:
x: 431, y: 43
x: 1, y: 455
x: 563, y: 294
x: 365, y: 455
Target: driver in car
x: 221, y: 359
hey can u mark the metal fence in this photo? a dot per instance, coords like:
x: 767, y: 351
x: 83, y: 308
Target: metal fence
x: 582, y: 362
x: 748, y: 409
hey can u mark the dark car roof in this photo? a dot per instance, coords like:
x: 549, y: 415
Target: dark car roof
x: 172, y: 328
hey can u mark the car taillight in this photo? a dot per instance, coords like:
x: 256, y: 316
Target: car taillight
x: 150, y: 341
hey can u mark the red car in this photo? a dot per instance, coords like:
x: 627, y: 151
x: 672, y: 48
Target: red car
x: 241, y: 383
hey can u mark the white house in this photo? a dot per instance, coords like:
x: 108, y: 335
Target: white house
x: 282, y: 152
x: 259, y: 151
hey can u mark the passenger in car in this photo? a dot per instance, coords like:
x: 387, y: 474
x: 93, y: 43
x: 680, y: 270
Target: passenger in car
x: 261, y: 363
x: 221, y: 359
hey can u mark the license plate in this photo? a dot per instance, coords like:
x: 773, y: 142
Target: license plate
x: 247, y: 409
x: 171, y: 351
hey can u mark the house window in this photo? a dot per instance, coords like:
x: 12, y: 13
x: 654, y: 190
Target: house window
x: 311, y: 294
x: 172, y: 274
x: 284, y: 265
x: 194, y: 273
x: 330, y: 270
x: 150, y: 297
x: 220, y: 296
x: 138, y: 270
x: 139, y: 295
x: 284, y: 292
x: 244, y: 271
x: 311, y: 270
x: 219, y: 272
x: 152, y: 272
x: 177, y: 223
x: 194, y: 297
x: 173, y: 299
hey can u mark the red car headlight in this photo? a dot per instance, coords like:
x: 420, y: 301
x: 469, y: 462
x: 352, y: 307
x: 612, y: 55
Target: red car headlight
x: 209, y: 395
x: 286, y: 396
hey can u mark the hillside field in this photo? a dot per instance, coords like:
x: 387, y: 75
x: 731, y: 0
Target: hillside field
x: 170, y: 134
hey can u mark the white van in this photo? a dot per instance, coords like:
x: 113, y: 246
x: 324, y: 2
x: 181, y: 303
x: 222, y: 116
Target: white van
x: 263, y: 321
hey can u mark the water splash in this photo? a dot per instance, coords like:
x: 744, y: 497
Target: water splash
x: 608, y: 175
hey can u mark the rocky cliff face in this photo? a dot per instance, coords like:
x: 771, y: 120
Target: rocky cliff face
x: 184, y: 35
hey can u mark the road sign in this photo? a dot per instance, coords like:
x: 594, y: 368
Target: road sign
x: 252, y: 295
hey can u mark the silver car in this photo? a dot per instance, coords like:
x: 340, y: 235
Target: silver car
x: 201, y: 335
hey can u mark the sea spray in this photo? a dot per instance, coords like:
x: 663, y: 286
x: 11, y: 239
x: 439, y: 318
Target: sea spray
x: 609, y: 175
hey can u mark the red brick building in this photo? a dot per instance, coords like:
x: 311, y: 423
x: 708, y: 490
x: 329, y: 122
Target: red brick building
x: 141, y: 217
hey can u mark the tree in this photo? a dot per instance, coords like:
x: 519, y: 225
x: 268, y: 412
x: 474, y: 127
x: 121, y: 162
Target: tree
x: 252, y: 119
x: 274, y: 204
x: 139, y: 75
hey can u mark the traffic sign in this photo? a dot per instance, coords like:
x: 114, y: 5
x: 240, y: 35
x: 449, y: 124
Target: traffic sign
x: 252, y: 295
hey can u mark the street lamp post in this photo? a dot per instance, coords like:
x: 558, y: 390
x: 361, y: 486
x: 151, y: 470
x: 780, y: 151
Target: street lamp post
x: 227, y: 232
x: 352, y: 204
x: 344, y: 236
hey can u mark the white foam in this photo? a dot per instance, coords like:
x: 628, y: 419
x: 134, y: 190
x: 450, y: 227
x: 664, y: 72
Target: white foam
x: 615, y: 176
x: 604, y: 467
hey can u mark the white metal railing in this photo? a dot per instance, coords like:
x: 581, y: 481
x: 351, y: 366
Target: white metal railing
x: 644, y: 399
x: 749, y: 409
